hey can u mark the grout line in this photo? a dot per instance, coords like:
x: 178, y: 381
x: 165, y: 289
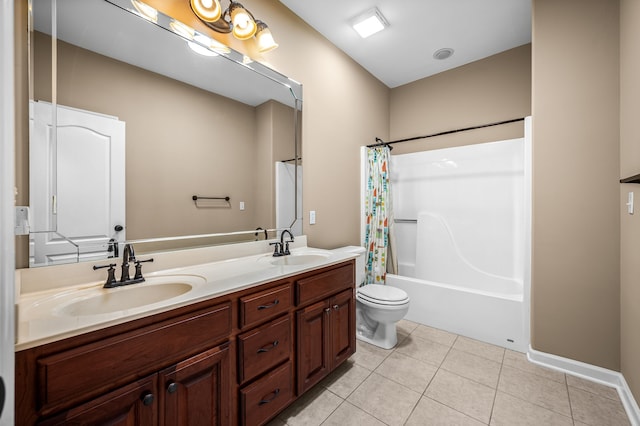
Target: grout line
x: 495, y: 396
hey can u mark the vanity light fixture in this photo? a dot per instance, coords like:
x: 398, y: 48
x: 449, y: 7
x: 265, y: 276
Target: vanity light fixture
x: 369, y: 23
x: 236, y: 19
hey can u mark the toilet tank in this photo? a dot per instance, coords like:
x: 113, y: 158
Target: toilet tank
x: 360, y: 271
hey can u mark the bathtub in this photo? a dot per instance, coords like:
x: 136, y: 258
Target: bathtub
x: 487, y: 314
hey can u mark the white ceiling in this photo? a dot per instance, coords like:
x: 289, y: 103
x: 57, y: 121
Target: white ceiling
x: 403, y: 52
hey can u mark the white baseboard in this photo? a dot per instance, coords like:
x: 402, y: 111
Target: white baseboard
x: 591, y: 372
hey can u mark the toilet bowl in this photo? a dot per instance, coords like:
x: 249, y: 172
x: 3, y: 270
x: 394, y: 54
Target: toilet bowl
x: 378, y: 307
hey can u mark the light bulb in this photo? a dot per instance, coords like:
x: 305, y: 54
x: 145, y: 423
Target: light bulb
x: 244, y: 27
x: 265, y: 38
x: 207, y: 10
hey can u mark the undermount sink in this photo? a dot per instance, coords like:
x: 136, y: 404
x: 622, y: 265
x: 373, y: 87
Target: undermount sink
x: 105, y: 301
x: 299, y: 259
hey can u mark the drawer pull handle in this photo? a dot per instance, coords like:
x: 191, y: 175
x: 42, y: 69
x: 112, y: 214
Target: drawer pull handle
x: 147, y: 399
x: 270, y: 305
x: 336, y: 307
x: 172, y: 388
x: 268, y: 400
x: 268, y: 347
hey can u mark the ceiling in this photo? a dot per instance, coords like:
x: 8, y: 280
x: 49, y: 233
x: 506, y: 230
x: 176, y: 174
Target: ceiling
x: 403, y: 52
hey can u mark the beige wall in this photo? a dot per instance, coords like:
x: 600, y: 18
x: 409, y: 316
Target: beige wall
x: 630, y: 166
x: 576, y: 237
x: 494, y: 89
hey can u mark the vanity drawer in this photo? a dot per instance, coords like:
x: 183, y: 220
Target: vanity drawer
x: 264, y: 398
x: 264, y: 305
x: 263, y: 348
x: 325, y: 284
x: 89, y: 370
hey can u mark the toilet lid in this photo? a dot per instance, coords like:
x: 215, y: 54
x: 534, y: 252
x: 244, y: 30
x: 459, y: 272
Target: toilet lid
x: 383, y: 294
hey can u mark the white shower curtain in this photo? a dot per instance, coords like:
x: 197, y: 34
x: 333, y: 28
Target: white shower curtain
x: 378, y: 216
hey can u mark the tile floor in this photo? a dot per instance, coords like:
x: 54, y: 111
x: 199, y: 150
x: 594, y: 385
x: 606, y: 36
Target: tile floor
x: 437, y: 378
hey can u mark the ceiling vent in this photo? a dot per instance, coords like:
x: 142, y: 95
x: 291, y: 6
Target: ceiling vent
x: 443, y: 53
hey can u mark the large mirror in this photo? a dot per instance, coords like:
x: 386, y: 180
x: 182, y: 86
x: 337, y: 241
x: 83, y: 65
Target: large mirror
x: 143, y: 130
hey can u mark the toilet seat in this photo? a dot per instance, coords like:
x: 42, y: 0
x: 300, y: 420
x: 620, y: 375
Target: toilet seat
x: 378, y: 294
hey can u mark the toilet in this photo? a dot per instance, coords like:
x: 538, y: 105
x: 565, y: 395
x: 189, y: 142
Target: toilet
x: 378, y: 307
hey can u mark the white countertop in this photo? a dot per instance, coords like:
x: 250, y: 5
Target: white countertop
x: 43, y: 316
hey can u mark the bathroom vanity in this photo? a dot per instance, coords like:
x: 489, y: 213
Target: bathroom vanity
x: 224, y: 357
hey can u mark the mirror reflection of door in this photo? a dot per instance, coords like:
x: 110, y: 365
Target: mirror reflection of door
x: 77, y: 184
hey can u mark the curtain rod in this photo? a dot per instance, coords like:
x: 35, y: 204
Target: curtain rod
x: 380, y: 142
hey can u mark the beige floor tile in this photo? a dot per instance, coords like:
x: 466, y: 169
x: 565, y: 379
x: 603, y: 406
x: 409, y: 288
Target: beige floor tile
x: 535, y: 389
x: 432, y: 413
x: 593, y: 387
x: 407, y: 371
x: 519, y: 360
x: 596, y: 410
x: 405, y: 326
x: 476, y: 347
x: 461, y: 394
x: 511, y: 411
x: 472, y: 367
x: 312, y: 408
x: 385, y: 399
x: 369, y: 356
x: 423, y: 350
x: 350, y: 415
x: 435, y: 335
x: 346, y: 378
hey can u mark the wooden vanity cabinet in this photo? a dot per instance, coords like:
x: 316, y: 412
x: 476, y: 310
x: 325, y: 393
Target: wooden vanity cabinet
x: 192, y: 392
x: 236, y: 359
x: 325, y: 327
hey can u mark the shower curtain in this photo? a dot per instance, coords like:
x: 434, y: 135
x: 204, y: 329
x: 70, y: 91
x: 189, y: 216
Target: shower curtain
x: 378, y: 215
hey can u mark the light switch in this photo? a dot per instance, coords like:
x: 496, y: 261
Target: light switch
x: 312, y: 217
x: 241, y: 205
x: 630, y: 203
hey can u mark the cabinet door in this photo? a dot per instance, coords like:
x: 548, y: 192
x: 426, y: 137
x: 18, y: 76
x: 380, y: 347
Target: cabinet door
x: 135, y: 404
x: 196, y: 391
x: 342, y: 324
x: 313, y: 344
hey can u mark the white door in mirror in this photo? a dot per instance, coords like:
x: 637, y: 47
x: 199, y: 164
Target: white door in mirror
x: 83, y: 170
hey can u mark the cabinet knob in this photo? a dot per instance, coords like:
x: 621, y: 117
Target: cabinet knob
x: 147, y: 399
x: 327, y: 310
x: 336, y: 307
x: 172, y: 388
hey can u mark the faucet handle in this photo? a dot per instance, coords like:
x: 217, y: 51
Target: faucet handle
x: 277, y: 252
x: 138, y: 275
x: 111, y: 277
x: 286, y: 248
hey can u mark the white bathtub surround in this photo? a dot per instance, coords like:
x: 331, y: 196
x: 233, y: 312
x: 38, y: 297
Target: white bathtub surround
x: 463, y: 229
x: 593, y: 373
